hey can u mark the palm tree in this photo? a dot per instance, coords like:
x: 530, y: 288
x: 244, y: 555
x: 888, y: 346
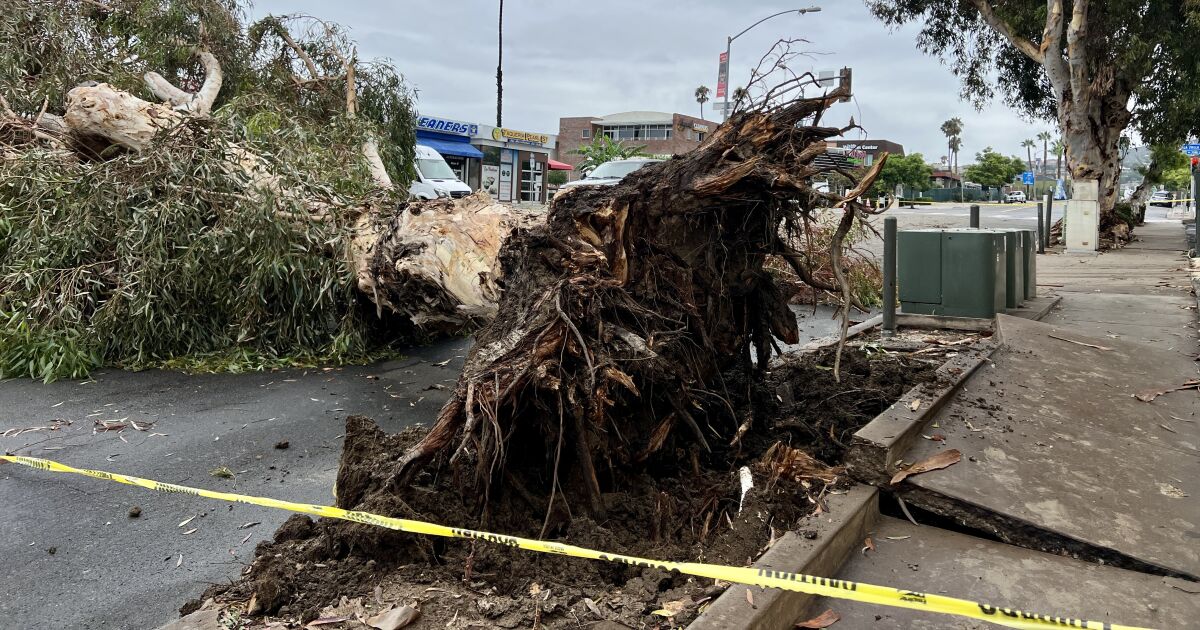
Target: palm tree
x: 1029, y: 144
x: 1058, y: 147
x: 1045, y: 137
x: 953, y: 129
x: 955, y: 145
x: 702, y: 98
x: 500, y: 66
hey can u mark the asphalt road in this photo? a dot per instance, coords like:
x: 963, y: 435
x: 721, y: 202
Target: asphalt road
x: 73, y: 558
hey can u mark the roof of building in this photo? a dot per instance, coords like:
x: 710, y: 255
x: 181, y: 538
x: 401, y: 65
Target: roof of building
x: 635, y: 118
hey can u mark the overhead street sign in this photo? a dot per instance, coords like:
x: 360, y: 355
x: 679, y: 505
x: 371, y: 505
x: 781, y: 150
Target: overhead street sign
x: 1027, y: 178
x: 1192, y: 149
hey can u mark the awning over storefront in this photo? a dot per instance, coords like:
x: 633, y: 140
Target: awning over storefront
x: 450, y: 148
x: 555, y: 165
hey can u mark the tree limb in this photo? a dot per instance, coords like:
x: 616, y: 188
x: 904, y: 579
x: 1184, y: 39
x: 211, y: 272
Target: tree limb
x: 1077, y: 50
x: 1004, y: 28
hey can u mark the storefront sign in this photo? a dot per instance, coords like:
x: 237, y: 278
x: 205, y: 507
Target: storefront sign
x: 445, y: 125
x: 521, y: 137
x: 699, y: 127
x: 722, y: 74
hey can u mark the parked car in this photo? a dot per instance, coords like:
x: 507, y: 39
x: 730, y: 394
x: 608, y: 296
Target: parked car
x: 1016, y: 196
x: 609, y: 173
x: 435, y: 179
x: 1161, y: 198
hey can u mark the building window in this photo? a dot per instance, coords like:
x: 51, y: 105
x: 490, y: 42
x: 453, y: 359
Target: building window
x: 637, y: 132
x: 587, y: 133
x: 700, y: 136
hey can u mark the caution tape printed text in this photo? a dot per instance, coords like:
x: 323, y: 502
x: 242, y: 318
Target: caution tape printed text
x: 767, y: 578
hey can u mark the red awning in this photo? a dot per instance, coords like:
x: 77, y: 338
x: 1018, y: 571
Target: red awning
x: 559, y: 166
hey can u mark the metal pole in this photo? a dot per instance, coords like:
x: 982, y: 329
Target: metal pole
x: 889, y: 276
x: 728, y: 73
x: 1049, y: 220
x: 1041, y: 230
x: 974, y: 215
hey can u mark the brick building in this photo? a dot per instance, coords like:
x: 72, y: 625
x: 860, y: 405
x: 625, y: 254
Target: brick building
x: 660, y: 132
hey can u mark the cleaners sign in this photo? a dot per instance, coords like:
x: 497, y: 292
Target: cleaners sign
x: 445, y: 125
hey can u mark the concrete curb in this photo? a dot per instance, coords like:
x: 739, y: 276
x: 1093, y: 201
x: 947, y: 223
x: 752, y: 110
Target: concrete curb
x: 840, y: 532
x: 877, y: 446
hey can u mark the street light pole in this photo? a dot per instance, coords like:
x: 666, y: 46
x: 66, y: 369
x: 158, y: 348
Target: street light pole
x: 729, y: 43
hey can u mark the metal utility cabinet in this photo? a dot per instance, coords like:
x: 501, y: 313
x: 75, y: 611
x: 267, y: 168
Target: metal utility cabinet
x: 959, y: 273
x: 1015, y: 244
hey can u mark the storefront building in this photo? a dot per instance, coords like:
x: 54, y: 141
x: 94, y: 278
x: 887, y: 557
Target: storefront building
x: 452, y: 139
x: 514, y: 163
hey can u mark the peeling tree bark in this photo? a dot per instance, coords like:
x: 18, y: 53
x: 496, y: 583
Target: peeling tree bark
x: 1093, y: 103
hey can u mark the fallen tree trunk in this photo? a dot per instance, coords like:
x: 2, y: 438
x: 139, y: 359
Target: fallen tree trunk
x: 620, y: 313
x: 431, y: 263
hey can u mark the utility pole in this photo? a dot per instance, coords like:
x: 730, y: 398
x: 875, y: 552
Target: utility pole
x: 729, y: 43
x: 500, y: 68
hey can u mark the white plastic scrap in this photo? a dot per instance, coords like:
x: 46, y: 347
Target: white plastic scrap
x: 747, y: 483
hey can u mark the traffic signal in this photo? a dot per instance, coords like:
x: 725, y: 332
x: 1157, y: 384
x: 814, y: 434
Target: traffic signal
x: 1195, y: 163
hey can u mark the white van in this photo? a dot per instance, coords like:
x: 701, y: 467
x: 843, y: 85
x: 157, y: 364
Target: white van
x: 435, y: 179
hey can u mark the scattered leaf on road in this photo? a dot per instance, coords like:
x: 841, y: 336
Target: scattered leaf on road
x: 179, y: 562
x: 868, y: 544
x: 1171, y: 491
x: 249, y: 525
x: 190, y: 531
x: 750, y: 599
x: 443, y: 363
x: 222, y: 472
x: 915, y: 405
x: 1150, y: 394
x: 325, y: 621
x: 823, y: 620
x: 897, y: 537
x: 186, y: 521
x: 937, y: 461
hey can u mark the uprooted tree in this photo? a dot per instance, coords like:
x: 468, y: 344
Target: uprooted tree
x: 622, y: 312
x: 1096, y: 68
x: 177, y: 185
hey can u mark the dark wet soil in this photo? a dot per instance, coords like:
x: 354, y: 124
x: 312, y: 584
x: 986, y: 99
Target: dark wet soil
x: 688, y: 511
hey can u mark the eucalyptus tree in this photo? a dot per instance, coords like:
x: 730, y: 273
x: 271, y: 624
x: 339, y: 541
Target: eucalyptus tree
x: 1096, y: 68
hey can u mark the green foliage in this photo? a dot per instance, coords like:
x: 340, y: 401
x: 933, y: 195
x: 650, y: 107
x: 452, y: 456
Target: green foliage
x: 604, y: 149
x: 171, y: 257
x: 1178, y: 178
x: 1146, y: 47
x: 908, y: 170
x: 993, y: 169
x: 556, y: 178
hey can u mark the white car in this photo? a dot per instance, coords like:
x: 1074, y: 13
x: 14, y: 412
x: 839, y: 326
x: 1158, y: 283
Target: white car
x: 1161, y: 198
x: 609, y: 173
x: 1016, y: 196
x: 435, y: 179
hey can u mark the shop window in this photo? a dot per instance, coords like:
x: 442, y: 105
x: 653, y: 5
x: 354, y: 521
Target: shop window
x: 531, y: 180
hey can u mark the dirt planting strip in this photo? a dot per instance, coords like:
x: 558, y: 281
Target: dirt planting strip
x: 819, y: 550
x: 879, y: 445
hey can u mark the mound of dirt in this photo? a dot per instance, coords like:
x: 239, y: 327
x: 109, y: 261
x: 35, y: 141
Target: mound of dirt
x: 679, y: 507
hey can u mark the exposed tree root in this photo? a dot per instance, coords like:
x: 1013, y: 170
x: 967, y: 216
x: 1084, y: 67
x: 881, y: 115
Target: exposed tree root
x: 620, y: 313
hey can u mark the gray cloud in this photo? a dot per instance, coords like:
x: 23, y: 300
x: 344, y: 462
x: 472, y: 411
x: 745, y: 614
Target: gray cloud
x: 572, y: 58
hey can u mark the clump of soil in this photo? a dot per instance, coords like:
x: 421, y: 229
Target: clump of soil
x: 677, y: 507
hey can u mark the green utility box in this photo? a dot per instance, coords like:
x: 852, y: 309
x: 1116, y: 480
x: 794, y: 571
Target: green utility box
x: 1015, y: 244
x: 1031, y: 249
x: 960, y: 273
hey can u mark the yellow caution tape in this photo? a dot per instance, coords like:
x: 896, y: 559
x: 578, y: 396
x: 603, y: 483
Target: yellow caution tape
x: 767, y: 578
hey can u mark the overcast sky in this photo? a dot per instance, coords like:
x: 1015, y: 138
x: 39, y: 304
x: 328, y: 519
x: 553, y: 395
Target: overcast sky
x: 573, y: 58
